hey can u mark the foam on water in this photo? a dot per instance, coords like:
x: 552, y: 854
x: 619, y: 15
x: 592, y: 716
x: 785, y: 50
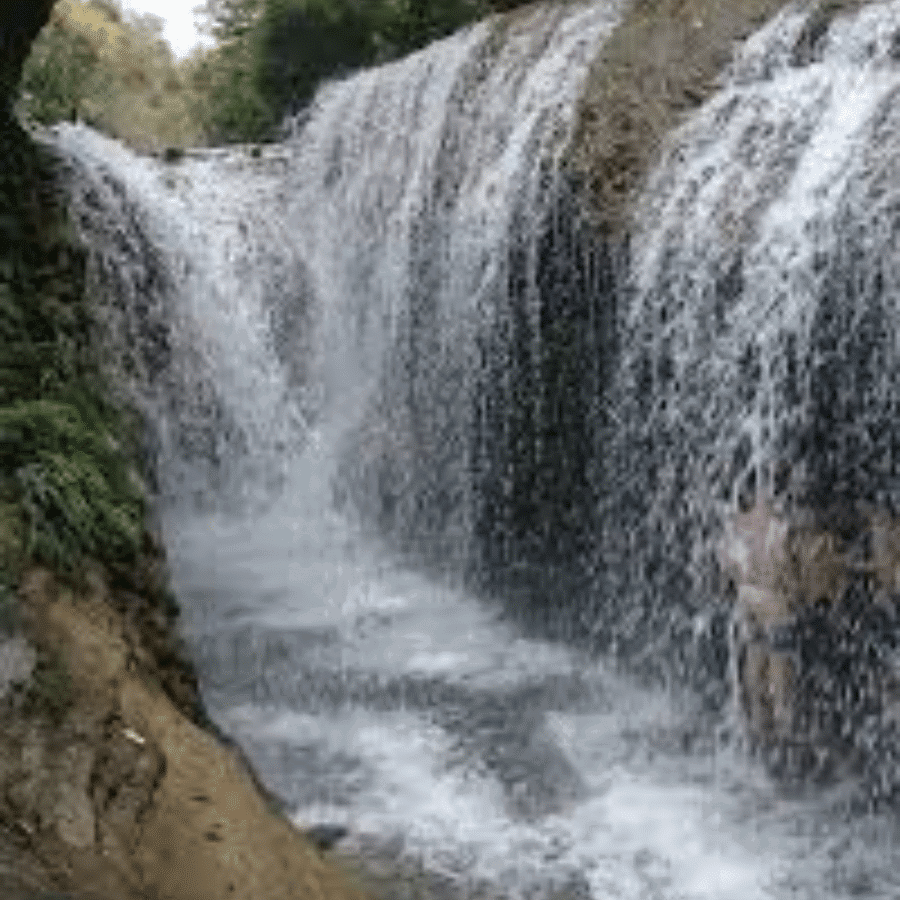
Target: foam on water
x: 410, y: 713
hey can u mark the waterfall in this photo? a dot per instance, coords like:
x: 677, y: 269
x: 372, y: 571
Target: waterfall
x: 390, y: 349
x: 451, y: 362
x: 492, y: 389
x: 759, y: 344
x: 442, y: 172
x: 189, y: 273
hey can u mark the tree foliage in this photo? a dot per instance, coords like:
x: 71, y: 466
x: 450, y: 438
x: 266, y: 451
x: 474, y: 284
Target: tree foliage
x: 96, y: 63
x: 272, y: 54
x: 226, y: 19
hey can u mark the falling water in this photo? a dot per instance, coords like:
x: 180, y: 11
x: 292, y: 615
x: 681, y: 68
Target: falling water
x: 388, y: 373
x: 186, y: 277
x: 759, y: 344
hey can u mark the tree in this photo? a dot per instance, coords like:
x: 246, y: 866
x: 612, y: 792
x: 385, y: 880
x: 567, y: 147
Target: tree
x: 303, y: 41
x: 114, y: 69
x: 292, y: 45
x: 59, y: 74
x: 226, y: 20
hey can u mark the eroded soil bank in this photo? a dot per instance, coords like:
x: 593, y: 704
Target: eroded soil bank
x: 116, y: 792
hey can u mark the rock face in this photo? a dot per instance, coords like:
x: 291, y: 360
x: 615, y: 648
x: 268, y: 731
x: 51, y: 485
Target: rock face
x: 121, y: 794
x: 813, y: 662
x: 20, y: 22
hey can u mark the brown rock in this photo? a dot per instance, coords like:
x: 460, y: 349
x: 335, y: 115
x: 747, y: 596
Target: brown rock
x: 140, y: 800
x: 72, y: 813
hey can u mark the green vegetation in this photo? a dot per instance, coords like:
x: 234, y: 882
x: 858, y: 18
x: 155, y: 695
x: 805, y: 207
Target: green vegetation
x: 269, y: 57
x: 97, y: 63
x: 272, y: 54
x: 48, y: 693
x: 114, y: 70
x: 303, y: 42
x: 68, y: 488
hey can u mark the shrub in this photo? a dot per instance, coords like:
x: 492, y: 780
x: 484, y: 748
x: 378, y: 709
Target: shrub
x: 72, y: 482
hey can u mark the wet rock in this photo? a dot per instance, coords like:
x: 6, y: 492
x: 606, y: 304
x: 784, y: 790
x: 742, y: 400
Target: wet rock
x: 324, y: 837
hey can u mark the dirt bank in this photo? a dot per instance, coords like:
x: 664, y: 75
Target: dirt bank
x: 115, y: 792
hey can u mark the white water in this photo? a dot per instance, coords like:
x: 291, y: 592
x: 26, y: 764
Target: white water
x: 367, y: 694
x: 371, y: 697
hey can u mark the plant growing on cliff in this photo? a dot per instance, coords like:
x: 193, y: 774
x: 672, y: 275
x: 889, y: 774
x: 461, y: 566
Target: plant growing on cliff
x: 49, y: 692
x: 75, y: 489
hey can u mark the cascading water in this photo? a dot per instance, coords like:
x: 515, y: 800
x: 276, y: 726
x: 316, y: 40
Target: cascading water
x: 396, y: 318
x: 759, y: 350
x: 189, y: 279
x: 442, y: 173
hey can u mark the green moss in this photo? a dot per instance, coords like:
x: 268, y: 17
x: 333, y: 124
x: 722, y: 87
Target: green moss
x: 67, y: 452
x: 72, y: 483
x: 73, y: 511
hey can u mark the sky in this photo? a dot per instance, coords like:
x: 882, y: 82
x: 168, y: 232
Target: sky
x: 180, y: 31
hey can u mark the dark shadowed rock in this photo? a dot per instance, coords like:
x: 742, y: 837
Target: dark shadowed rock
x: 20, y: 22
x: 324, y: 837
